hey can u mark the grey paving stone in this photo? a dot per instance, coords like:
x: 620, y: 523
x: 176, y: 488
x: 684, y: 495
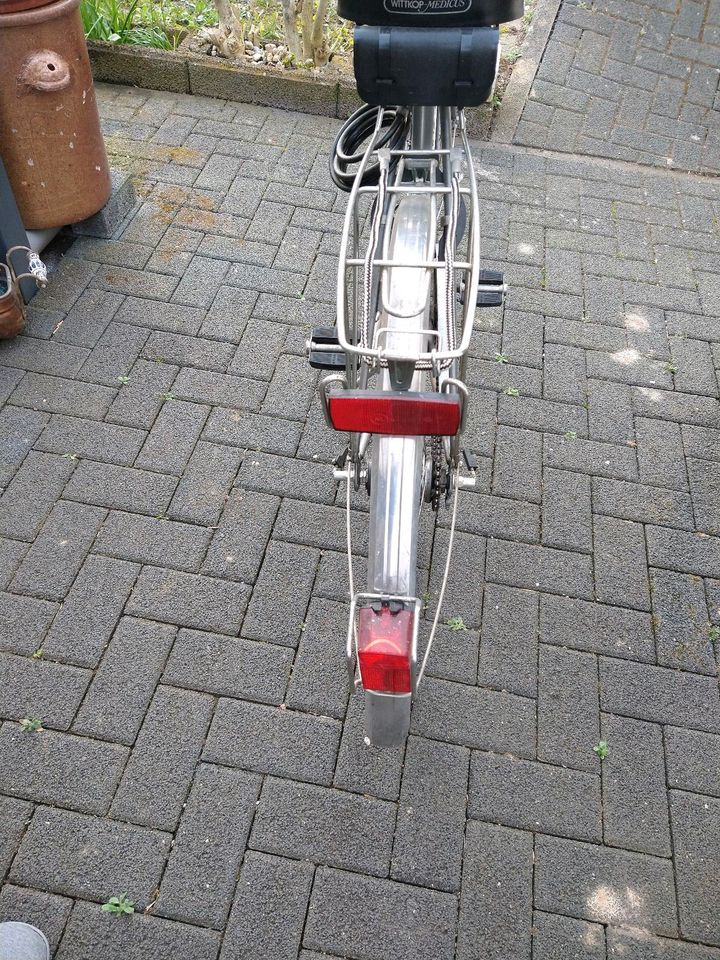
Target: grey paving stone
x: 634, y: 792
x: 173, y: 437
x: 90, y: 858
x: 121, y: 690
x: 679, y: 407
x: 275, y: 741
x: 496, y: 899
x: 130, y: 536
x: 319, y: 682
x: 566, y: 511
x: 303, y: 479
x: 428, y: 845
x: 90, y: 611
x: 51, y: 564
x: 135, y: 283
x: 15, y: 816
x: 660, y: 695
x: 253, y: 431
x: 660, y: 454
x: 281, y: 618
x: 43, y: 910
x: 114, y: 354
x: 508, y: 644
x: 610, y: 413
x: 518, y: 464
x: 597, y: 628
x: 43, y: 767
x: 544, y: 415
x: 324, y: 825
x: 535, y: 796
x: 11, y: 554
x: 362, y: 768
x: 290, y: 390
x: 605, y: 885
x: 633, y: 501
x: 121, y: 488
x: 497, y: 517
x: 539, y: 568
x: 230, y: 668
x: 269, y: 908
x: 218, y: 389
x: 170, y: 317
x: 701, y: 442
x: 88, y: 318
x: 239, y: 543
x: 642, y: 946
x: 187, y: 351
x: 361, y: 915
x: 693, y: 760
x: 90, y: 930
x: 91, y: 440
x: 317, y: 525
x: 229, y: 313
x: 696, y: 836
x: 620, y: 557
x: 31, y: 494
x: 563, y: 938
x: 705, y: 491
x: 203, y: 489
x: 473, y: 717
x: 454, y: 655
x: 189, y: 600
x: 681, y: 622
x: 683, y: 551
x: 23, y: 622
x: 158, y: 774
x: 568, y: 708
x: 19, y: 430
x: 51, y: 692
x: 138, y: 401
x: 200, y: 878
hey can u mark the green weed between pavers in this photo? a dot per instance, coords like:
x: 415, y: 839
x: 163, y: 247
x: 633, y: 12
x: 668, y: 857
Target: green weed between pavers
x: 457, y: 624
x: 119, y: 905
x: 601, y: 749
x: 31, y: 725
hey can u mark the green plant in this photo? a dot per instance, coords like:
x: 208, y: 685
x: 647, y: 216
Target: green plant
x: 39, y: 654
x: 123, y: 379
x: 512, y: 55
x: 501, y: 358
x: 31, y: 724
x: 167, y: 396
x: 714, y: 634
x: 119, y: 905
x: 457, y: 624
x: 571, y: 435
x: 601, y: 749
x: 112, y: 21
x: 511, y: 392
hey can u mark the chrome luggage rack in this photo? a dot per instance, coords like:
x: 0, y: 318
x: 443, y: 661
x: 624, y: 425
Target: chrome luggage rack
x: 359, y: 335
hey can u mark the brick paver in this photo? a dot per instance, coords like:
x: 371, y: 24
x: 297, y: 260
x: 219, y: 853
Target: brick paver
x: 173, y: 593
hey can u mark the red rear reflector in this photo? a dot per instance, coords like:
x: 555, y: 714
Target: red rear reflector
x: 395, y: 414
x: 385, y: 650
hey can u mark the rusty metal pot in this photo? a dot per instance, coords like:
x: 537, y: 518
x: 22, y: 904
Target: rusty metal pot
x: 50, y: 138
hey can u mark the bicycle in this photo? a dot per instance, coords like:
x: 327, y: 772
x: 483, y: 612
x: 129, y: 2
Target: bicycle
x: 409, y: 282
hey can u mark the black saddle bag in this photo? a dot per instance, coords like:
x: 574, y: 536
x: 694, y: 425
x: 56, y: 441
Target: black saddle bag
x: 415, y: 67
x: 431, y: 13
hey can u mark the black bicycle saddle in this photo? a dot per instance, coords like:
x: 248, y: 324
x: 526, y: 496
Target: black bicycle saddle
x: 431, y: 13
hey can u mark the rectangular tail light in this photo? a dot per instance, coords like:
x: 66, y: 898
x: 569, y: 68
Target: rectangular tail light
x: 395, y: 414
x: 385, y: 650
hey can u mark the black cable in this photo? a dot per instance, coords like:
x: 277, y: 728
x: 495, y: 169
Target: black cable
x: 348, y: 148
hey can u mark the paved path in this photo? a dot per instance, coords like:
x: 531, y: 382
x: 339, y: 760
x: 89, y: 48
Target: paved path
x: 635, y: 81
x: 172, y: 543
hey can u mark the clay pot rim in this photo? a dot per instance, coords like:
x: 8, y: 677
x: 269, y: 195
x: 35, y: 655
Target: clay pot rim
x: 23, y: 18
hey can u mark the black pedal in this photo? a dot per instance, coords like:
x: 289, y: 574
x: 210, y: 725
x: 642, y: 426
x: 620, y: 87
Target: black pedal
x: 325, y: 359
x: 490, y: 289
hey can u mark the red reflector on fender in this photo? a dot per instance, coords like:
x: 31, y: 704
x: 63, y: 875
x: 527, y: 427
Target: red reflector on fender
x: 395, y: 414
x: 385, y: 650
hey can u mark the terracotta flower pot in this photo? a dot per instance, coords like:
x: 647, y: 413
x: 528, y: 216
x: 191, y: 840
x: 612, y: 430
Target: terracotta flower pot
x: 50, y: 138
